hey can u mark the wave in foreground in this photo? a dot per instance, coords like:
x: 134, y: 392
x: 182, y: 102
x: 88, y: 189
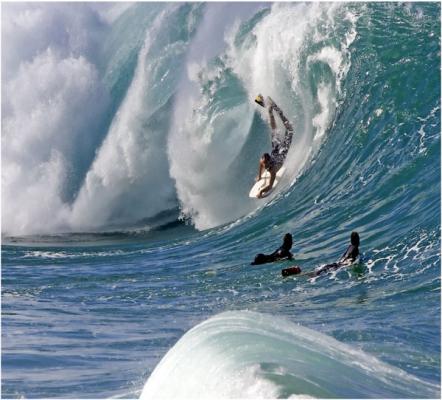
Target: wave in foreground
x: 250, y: 355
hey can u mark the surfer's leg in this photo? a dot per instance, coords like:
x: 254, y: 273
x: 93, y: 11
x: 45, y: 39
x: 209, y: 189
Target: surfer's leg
x: 283, y: 118
x: 280, y: 150
x: 287, y: 141
x: 285, y: 145
x: 274, y: 137
x: 272, y: 119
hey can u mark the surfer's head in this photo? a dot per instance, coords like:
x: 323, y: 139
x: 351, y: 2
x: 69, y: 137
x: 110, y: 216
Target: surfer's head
x: 265, y: 158
x: 287, y: 241
x: 354, y: 239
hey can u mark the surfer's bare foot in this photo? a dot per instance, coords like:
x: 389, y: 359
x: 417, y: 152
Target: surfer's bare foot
x: 260, y: 100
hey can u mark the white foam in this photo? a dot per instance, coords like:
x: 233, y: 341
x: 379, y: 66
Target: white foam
x: 327, y: 107
x: 330, y: 56
x: 52, y: 99
x: 53, y: 107
x: 131, y: 166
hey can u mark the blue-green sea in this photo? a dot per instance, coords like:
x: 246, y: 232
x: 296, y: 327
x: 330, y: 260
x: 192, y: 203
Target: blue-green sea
x: 130, y: 141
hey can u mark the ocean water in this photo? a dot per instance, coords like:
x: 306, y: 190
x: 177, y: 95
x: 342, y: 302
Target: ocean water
x: 130, y: 140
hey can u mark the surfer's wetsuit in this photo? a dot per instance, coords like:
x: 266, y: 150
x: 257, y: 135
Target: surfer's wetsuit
x: 279, y: 149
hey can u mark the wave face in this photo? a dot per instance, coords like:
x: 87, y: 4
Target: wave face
x: 120, y: 121
x: 250, y: 355
x: 133, y: 116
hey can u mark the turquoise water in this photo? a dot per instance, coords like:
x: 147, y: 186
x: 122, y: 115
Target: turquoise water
x: 129, y: 143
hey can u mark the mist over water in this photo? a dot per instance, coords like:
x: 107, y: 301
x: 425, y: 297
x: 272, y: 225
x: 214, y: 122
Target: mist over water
x: 130, y: 141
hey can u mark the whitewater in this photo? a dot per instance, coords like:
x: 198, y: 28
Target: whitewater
x: 130, y: 141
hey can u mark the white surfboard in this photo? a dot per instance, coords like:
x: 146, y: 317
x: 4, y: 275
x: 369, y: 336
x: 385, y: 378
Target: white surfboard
x: 264, y: 181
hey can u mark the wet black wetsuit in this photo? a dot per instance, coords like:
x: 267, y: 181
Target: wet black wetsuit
x: 350, y: 254
x: 279, y: 254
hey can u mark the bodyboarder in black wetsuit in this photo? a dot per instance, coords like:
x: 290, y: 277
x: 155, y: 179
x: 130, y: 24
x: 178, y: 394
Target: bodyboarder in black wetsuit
x: 348, y: 257
x: 282, y: 253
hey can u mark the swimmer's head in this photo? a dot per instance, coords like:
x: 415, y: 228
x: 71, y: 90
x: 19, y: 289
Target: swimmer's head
x: 354, y: 239
x: 287, y: 241
x: 265, y: 158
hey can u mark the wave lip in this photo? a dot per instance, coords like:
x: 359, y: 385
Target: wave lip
x: 244, y: 354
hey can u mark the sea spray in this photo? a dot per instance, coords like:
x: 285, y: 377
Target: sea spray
x: 121, y: 173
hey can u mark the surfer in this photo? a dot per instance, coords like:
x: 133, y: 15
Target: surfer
x: 273, y: 162
x: 282, y: 253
